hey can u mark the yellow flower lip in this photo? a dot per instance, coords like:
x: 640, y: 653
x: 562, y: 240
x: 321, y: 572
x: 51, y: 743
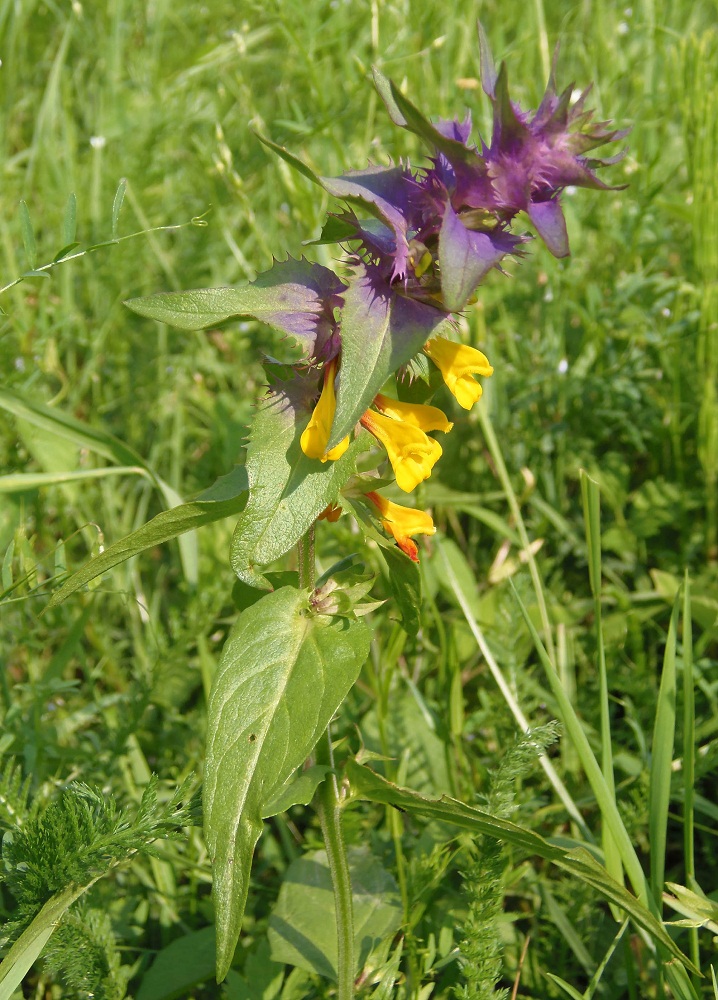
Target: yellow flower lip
x: 411, y: 452
x: 402, y: 523
x: 315, y: 437
x: 458, y: 364
x: 426, y: 418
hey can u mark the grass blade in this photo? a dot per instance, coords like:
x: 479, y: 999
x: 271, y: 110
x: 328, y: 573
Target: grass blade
x: 508, y: 695
x: 592, y: 516
x: 69, y: 228
x: 28, y: 236
x: 659, y: 792
x: 605, y: 798
x: 689, y: 757
x: 117, y: 205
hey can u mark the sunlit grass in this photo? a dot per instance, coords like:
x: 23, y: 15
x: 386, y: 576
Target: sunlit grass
x: 605, y: 362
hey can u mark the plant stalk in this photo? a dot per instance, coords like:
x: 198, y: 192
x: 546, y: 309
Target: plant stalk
x: 327, y: 802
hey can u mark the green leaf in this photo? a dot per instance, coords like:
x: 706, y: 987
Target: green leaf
x: 19, y: 482
x: 295, y: 297
x: 405, y: 583
x: 28, y: 236
x: 63, y: 252
x: 69, y: 225
x: 298, y: 792
x: 387, y: 983
x: 302, y: 927
x: 117, y: 205
x: 605, y: 798
x: 27, y: 948
x: 566, y: 987
x: 287, y: 490
x: 381, y: 330
x: 659, y: 788
x: 404, y: 114
x: 183, y: 964
x: 282, y: 675
x: 169, y: 524
x: 299, y: 165
x: 65, y: 426
x: 678, y: 980
x: 578, y: 862
x: 96, y: 439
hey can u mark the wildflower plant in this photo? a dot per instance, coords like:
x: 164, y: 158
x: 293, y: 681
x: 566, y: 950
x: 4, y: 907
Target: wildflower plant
x: 334, y: 428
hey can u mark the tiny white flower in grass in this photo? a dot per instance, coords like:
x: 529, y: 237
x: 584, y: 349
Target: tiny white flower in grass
x: 19, y: 364
x: 622, y: 28
x: 98, y: 141
x: 665, y: 312
x: 563, y: 366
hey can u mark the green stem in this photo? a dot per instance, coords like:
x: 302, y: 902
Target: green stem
x: 307, y: 569
x: 328, y: 805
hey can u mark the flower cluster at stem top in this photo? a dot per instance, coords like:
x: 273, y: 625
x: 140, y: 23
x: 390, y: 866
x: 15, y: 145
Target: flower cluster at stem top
x: 419, y: 243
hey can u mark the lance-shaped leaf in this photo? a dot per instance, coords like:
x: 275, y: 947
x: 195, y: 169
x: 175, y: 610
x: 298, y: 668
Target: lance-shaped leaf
x: 577, y: 861
x: 283, y: 674
x: 287, y: 490
x: 404, y: 114
x: 466, y: 257
x: 384, y: 191
x: 381, y: 330
x: 228, y: 496
x: 294, y: 296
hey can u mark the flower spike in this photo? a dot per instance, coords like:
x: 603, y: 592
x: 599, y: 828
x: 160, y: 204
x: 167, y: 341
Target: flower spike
x: 315, y: 437
x: 458, y: 363
x: 411, y: 452
x: 402, y: 523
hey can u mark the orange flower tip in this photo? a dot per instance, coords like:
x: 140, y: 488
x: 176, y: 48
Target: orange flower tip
x: 409, y: 547
x: 332, y: 512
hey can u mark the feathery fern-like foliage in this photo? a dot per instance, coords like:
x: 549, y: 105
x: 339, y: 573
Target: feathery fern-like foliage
x: 14, y: 791
x: 483, y: 878
x: 78, y: 836
x: 83, y: 954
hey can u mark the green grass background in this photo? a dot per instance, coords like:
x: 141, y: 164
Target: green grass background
x: 607, y: 362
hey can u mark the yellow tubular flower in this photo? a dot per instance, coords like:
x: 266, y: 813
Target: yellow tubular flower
x: 315, y: 438
x: 412, y: 454
x: 426, y: 418
x: 402, y: 522
x: 458, y: 364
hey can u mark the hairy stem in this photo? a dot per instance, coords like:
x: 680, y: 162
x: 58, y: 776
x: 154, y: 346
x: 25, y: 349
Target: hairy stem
x: 328, y: 805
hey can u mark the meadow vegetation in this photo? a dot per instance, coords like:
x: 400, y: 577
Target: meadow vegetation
x: 571, y: 588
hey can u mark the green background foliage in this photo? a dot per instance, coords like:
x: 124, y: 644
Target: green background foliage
x: 605, y: 362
